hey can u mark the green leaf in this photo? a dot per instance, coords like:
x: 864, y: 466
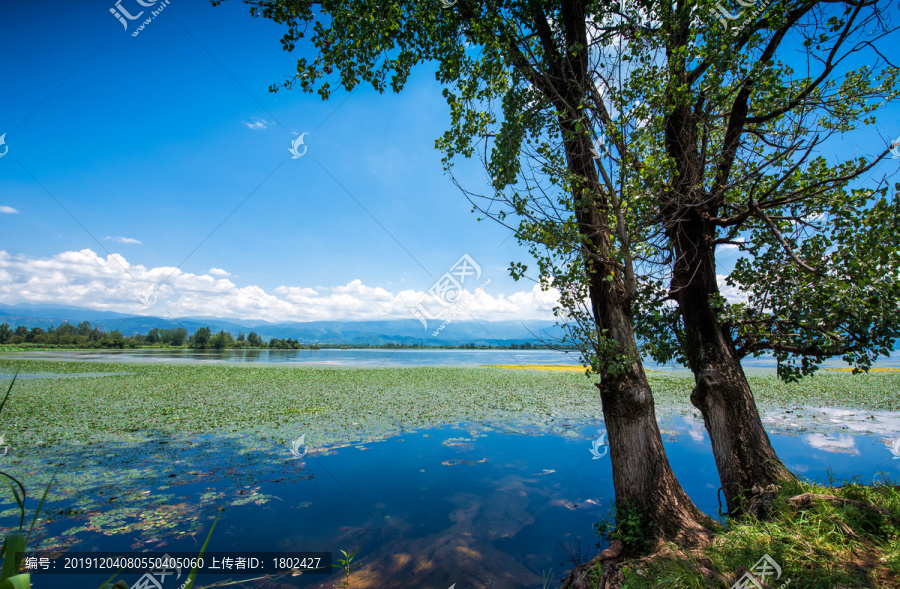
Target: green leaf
x: 189, y: 584
x: 22, y: 581
x: 41, y: 504
x: 8, y: 391
x: 13, y: 550
x: 20, y: 500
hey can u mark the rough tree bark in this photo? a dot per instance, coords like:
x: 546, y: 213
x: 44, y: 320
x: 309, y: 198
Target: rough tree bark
x: 744, y: 455
x: 642, y: 475
x: 641, y: 471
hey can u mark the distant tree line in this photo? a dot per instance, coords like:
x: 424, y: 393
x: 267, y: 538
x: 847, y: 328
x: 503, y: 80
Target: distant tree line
x: 85, y: 335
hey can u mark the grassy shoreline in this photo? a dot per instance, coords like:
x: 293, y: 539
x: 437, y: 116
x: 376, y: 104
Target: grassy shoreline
x: 841, y: 536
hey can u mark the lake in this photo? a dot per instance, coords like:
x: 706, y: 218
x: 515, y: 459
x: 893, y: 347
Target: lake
x: 326, y: 357
x: 437, y: 475
x: 368, y: 357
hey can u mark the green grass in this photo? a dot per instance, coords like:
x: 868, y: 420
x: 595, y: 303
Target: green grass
x: 823, y: 547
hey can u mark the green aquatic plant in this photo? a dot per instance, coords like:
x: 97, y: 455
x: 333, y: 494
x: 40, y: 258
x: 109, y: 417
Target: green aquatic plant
x: 347, y: 566
x: 154, y: 414
x: 14, y: 543
x: 189, y: 583
x: 631, y: 528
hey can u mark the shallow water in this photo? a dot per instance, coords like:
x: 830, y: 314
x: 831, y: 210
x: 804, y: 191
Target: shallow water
x: 473, y: 505
x: 371, y: 357
x: 326, y: 357
x: 478, y: 477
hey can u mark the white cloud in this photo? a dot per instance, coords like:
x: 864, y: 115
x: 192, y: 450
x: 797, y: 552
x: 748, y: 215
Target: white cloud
x: 257, y: 124
x: 218, y: 272
x: 730, y: 247
x: 732, y: 294
x: 111, y: 283
x: 127, y: 240
x: 843, y: 443
x: 8, y: 210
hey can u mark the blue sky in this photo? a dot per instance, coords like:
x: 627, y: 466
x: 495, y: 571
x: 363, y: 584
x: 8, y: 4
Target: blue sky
x: 158, y: 138
x: 168, y: 151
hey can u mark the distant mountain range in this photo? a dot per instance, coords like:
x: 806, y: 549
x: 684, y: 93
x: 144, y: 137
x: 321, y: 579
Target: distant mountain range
x: 361, y: 333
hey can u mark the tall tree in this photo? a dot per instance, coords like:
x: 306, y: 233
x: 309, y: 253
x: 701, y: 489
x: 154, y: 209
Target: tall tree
x: 704, y: 138
x: 520, y: 52
x: 733, y: 131
x: 201, y: 338
x: 174, y: 337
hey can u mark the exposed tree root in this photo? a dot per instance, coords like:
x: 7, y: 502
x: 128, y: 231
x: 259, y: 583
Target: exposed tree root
x: 761, y: 501
x: 580, y: 578
x: 805, y: 501
x: 614, y: 559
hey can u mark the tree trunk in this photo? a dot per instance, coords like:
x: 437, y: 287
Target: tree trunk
x: 744, y: 455
x: 642, y: 475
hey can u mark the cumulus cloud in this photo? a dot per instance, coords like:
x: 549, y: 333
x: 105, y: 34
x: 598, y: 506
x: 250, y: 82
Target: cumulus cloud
x: 257, y: 124
x: 732, y: 294
x: 843, y: 443
x: 128, y: 240
x: 8, y: 210
x: 111, y: 283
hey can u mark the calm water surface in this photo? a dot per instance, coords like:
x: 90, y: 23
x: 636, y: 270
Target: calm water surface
x: 476, y: 505
x: 471, y: 505
x: 327, y: 357
x: 368, y: 357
